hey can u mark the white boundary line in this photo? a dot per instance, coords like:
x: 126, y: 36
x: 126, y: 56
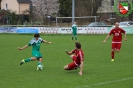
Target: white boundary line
x: 103, y: 83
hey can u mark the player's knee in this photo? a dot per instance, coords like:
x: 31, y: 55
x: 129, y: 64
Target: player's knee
x: 40, y: 59
x: 65, y: 68
x: 33, y: 58
x: 117, y: 51
x: 71, y: 56
x: 113, y: 50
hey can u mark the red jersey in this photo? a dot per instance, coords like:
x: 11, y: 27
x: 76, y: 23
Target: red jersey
x: 117, y: 35
x: 79, y: 56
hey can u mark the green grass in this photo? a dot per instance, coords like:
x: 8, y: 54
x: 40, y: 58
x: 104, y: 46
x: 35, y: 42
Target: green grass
x: 99, y: 71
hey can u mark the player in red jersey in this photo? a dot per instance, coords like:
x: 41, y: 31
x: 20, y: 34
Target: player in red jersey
x: 77, y: 56
x: 116, y: 40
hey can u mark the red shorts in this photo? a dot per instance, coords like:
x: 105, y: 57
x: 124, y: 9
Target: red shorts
x: 73, y: 65
x: 116, y: 46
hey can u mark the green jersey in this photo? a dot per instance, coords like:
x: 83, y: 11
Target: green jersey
x: 35, y: 44
x: 74, y: 29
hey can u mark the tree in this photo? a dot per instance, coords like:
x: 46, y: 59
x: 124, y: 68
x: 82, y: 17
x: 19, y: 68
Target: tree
x: 6, y: 16
x: 9, y: 17
x: 13, y: 18
x: 65, y: 8
x: 131, y: 16
x: 82, y: 7
x: 30, y: 14
x: 87, y: 7
x: 45, y: 8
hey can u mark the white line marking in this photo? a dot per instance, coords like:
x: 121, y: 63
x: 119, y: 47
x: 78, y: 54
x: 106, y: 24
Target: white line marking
x: 103, y: 83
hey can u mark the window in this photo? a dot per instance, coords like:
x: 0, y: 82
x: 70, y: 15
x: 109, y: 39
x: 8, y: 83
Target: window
x: 112, y: 15
x: 6, y: 6
x: 112, y: 2
x: 31, y: 5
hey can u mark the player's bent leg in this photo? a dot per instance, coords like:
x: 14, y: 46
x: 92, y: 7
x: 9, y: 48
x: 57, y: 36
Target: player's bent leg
x: 73, y: 57
x: 40, y: 61
x: 33, y: 58
x: 113, y: 50
x: 76, y: 38
x: 66, y: 67
x: 71, y: 66
x: 118, y: 47
x: 72, y: 37
x: 27, y: 60
x: 22, y: 62
x: 112, y: 55
x: 117, y: 50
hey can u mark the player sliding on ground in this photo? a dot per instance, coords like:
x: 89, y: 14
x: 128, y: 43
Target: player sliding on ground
x: 77, y: 56
x: 36, y: 55
x: 116, y: 40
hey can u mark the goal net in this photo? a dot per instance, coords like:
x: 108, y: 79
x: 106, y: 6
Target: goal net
x: 81, y: 21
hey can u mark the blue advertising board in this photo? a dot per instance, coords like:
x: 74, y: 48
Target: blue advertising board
x: 30, y: 30
x: 5, y: 29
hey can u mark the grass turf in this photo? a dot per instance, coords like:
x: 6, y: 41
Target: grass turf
x: 99, y: 71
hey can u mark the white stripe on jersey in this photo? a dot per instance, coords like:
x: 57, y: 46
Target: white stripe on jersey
x: 76, y: 63
x: 116, y: 42
x: 74, y: 25
x: 35, y: 41
x: 32, y: 41
x: 80, y: 55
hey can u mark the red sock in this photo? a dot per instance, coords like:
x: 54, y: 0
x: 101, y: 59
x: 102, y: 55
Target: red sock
x: 112, y: 54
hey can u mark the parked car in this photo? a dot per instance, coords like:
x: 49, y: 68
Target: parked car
x: 125, y: 24
x: 97, y: 24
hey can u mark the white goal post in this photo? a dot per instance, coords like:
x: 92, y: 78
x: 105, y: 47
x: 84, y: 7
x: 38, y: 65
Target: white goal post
x: 76, y: 17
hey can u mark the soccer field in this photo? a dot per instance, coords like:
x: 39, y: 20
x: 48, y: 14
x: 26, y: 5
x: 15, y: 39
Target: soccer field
x: 98, y: 72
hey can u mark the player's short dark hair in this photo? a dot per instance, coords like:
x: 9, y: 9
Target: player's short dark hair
x: 78, y: 45
x: 36, y: 35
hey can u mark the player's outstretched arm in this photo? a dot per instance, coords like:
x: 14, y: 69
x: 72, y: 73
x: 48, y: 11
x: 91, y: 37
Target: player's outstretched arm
x: 106, y: 39
x: 125, y: 37
x: 81, y: 67
x: 19, y: 48
x: 44, y: 41
x: 69, y: 53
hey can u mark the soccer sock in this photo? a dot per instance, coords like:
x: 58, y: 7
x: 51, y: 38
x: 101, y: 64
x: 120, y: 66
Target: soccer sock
x: 72, y: 37
x: 27, y: 60
x: 39, y: 63
x: 76, y: 38
x: 112, y: 54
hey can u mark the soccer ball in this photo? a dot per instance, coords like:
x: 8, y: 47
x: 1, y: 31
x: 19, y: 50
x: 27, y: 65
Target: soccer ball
x: 39, y: 67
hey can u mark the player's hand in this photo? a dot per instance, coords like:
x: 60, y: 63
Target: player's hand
x: 125, y: 39
x: 104, y: 41
x: 80, y: 73
x: 20, y: 48
x: 66, y: 51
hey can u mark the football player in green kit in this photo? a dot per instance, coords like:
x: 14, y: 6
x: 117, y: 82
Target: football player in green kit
x: 36, y: 55
x: 74, y: 31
